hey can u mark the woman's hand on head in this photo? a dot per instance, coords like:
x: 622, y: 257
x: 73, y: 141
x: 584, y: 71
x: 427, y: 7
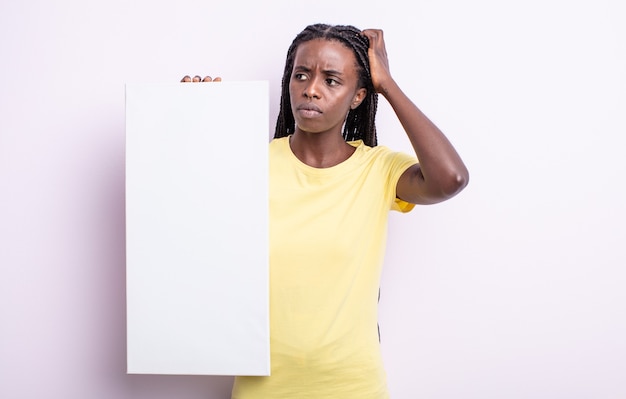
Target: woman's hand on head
x: 379, y: 63
x: 197, y: 78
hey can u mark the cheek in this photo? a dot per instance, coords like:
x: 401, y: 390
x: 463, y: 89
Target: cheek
x: 291, y: 94
x: 347, y: 102
x: 293, y: 91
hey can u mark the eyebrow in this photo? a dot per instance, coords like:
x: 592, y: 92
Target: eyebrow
x: 325, y: 71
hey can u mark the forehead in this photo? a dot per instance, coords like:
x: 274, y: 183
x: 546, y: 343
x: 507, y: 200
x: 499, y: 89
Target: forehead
x: 329, y: 54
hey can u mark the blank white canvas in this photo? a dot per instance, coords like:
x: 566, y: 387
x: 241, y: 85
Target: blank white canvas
x: 197, y: 228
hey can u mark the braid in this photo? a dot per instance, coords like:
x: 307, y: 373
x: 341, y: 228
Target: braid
x: 360, y: 122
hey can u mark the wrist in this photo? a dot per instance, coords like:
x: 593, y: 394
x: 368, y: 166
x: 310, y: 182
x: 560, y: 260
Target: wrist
x: 387, y: 87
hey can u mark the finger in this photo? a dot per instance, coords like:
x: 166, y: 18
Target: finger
x: 207, y: 79
x: 375, y: 36
x: 196, y: 78
x: 186, y: 78
x: 217, y: 79
x: 370, y: 34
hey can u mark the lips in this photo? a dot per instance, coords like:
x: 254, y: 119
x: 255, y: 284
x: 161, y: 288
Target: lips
x: 309, y: 109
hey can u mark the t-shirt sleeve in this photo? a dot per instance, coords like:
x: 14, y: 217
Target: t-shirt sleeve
x: 397, y: 163
x: 402, y: 206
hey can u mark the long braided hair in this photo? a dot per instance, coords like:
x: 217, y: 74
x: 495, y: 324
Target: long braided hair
x: 360, y: 122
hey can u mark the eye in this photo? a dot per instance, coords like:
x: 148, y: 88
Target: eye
x: 299, y: 76
x: 332, y: 82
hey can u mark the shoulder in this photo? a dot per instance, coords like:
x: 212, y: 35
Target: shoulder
x: 278, y: 146
x: 279, y: 154
x: 383, y: 155
x: 279, y: 142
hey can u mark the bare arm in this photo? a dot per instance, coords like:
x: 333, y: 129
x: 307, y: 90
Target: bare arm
x: 440, y: 174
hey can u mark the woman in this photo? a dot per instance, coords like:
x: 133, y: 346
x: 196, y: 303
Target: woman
x: 331, y: 188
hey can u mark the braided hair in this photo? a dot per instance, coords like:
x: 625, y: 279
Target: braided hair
x: 360, y: 122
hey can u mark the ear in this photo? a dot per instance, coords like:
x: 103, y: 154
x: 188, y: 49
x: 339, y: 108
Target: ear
x: 359, y: 96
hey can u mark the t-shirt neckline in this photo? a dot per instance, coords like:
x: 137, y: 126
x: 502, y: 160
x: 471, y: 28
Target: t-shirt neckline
x: 346, y: 164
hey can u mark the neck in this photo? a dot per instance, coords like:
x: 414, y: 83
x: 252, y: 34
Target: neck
x: 320, y: 150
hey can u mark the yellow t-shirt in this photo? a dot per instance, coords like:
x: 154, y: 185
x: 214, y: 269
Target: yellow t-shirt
x: 327, y: 239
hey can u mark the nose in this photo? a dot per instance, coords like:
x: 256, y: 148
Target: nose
x: 311, y: 89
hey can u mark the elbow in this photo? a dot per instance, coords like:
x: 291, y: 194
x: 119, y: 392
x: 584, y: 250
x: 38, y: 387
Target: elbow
x: 454, y: 183
x: 462, y: 180
x: 432, y: 189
